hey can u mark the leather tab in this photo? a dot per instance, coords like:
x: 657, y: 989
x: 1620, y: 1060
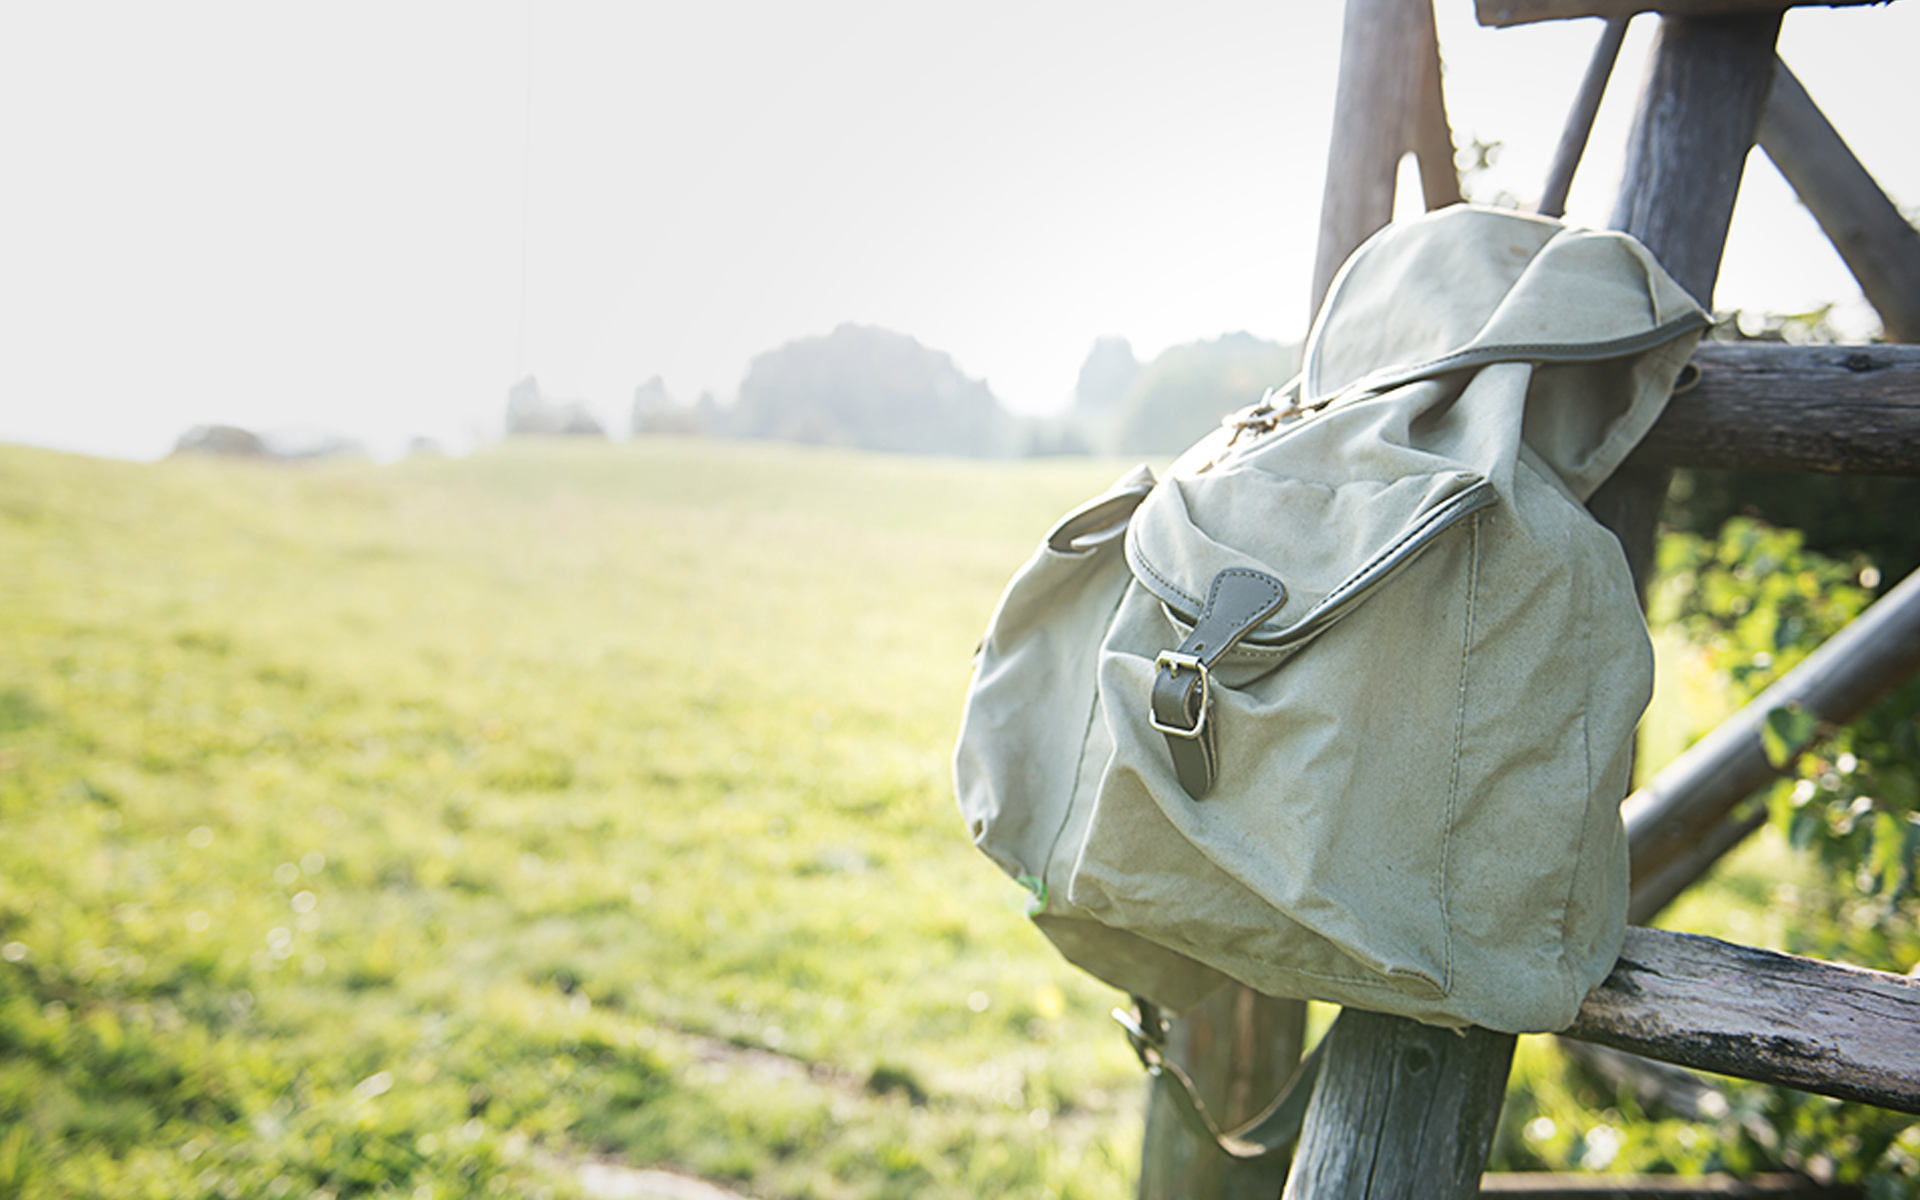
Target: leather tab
x: 1238, y: 600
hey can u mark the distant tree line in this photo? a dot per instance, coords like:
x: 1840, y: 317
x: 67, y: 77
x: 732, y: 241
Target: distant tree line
x: 873, y: 389
x: 866, y: 388
x: 1122, y: 406
x: 533, y: 413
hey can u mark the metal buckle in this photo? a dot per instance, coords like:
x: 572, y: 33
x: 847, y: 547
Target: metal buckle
x: 1173, y: 660
x: 1146, y: 1031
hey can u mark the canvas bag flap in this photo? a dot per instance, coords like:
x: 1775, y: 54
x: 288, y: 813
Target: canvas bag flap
x: 1580, y: 334
x: 1344, y: 506
x: 1469, y: 286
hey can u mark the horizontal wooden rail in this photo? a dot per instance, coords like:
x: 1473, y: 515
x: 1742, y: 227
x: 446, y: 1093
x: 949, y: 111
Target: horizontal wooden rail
x: 1522, y: 12
x: 1753, y: 1014
x: 1767, y: 407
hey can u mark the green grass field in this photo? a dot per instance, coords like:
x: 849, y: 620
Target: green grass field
x: 434, y: 829
x: 442, y: 825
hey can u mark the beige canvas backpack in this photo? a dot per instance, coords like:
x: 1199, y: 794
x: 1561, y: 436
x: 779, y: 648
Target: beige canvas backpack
x: 1342, y: 705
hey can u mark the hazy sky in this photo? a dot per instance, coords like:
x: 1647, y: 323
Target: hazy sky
x: 315, y: 214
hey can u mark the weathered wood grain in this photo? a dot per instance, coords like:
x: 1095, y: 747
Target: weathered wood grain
x: 1401, y: 1110
x: 1733, y: 1010
x: 1501, y: 13
x: 1763, y: 407
x: 1695, y: 121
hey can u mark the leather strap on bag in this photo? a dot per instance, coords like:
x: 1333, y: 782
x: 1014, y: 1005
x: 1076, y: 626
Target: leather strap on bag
x: 1270, y: 1132
x: 1237, y: 601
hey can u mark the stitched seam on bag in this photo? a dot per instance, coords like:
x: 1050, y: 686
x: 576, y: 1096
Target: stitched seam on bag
x: 1459, y: 738
x: 1586, y: 741
x: 1240, y: 648
x: 1261, y: 577
x: 1421, y: 532
x: 1536, y: 352
x: 1171, y: 586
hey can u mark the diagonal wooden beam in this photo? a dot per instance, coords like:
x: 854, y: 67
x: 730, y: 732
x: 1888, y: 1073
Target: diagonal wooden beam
x: 1835, y: 684
x: 1579, y: 125
x: 1873, y: 239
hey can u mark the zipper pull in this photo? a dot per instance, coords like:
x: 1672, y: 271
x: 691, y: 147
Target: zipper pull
x: 1257, y: 420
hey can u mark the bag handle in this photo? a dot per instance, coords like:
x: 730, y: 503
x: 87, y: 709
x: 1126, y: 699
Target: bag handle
x: 1102, y: 518
x: 1269, y: 1133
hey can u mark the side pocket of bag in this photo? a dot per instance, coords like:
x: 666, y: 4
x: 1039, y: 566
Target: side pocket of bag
x: 1025, y: 721
x: 1317, y: 866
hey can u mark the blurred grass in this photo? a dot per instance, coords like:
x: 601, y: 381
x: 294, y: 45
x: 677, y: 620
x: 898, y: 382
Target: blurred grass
x: 370, y: 829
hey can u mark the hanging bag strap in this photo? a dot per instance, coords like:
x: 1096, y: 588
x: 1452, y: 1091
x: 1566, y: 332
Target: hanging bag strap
x: 1269, y: 1133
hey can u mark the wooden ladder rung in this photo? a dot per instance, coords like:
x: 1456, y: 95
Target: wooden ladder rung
x: 1839, y: 1031
x: 1765, y: 407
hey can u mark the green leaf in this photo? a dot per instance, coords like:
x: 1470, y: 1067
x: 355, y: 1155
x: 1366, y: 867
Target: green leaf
x: 1787, y: 731
x: 1804, y: 826
x: 1889, y: 849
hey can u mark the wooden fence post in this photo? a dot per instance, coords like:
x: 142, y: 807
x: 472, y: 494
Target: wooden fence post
x: 1401, y: 1110
x: 1388, y: 104
x: 1695, y: 123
